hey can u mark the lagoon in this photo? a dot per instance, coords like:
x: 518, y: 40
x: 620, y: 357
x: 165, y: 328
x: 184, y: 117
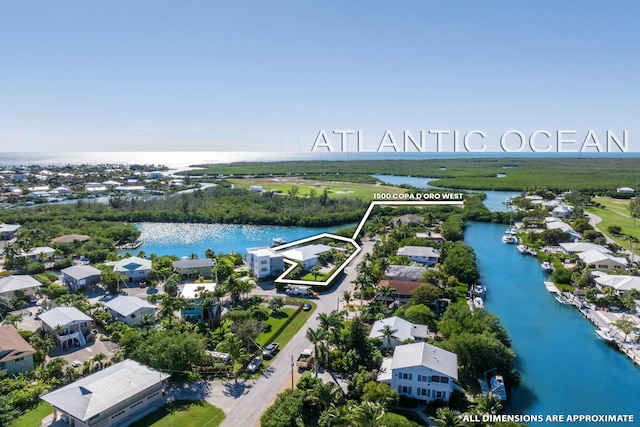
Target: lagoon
x: 184, y: 239
x: 494, y: 201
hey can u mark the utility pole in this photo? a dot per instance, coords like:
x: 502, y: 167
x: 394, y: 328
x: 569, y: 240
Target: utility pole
x: 292, y: 365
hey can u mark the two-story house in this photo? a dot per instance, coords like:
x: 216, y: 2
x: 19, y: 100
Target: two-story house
x: 421, y: 371
x: 16, y: 355
x: 68, y: 325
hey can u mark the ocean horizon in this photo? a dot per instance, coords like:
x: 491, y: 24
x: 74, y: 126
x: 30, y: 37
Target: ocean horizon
x: 186, y: 159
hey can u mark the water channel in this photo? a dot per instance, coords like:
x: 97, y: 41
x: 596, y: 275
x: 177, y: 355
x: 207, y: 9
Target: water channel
x: 565, y: 369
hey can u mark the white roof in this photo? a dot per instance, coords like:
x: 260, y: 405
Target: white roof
x: 126, y: 305
x: 130, y: 264
x: 63, y: 316
x: 404, y: 329
x: 193, y: 290
x: 306, y: 252
x: 8, y: 227
x: 583, y: 247
x: 593, y: 255
x: 40, y: 250
x: 423, y: 354
x: 79, y: 272
x: 619, y: 282
x: 19, y: 282
x: 421, y: 251
x: 105, y: 389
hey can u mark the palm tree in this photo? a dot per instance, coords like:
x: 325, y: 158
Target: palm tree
x: 232, y: 345
x: 487, y: 404
x: 388, y: 332
x: 446, y: 417
x: 346, y: 296
x: 326, y: 394
x: 169, y: 305
x: 99, y: 359
x: 387, y: 292
x: 316, y: 336
x: 366, y: 414
x: 146, y: 322
x: 625, y: 325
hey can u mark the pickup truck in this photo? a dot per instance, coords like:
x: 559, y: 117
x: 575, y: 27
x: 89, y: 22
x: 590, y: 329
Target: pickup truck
x: 305, y: 360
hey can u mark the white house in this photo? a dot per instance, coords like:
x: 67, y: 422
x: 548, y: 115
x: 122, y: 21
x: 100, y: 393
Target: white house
x: 114, y: 396
x: 421, y: 371
x: 306, y: 255
x: 404, y: 330
x: 23, y: 284
x: 8, y: 231
x: 135, y: 268
x: 574, y: 248
x: 264, y: 262
x: 557, y: 224
x: 619, y: 283
x: 421, y: 254
x: 562, y: 211
x: 129, y: 310
x: 596, y: 260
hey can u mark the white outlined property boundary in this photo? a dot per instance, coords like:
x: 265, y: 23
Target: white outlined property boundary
x: 292, y: 264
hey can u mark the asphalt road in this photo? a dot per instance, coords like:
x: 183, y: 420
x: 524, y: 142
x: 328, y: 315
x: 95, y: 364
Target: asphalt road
x: 245, y: 402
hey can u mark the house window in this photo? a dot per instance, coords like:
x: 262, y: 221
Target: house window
x: 133, y: 316
x: 422, y: 391
x: 263, y: 262
x: 440, y: 394
x: 406, y: 390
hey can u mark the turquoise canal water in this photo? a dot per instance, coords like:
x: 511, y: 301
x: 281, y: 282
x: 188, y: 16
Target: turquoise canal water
x: 565, y: 369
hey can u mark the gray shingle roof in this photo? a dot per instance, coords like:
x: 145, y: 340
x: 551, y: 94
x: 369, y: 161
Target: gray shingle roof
x: 194, y: 263
x: 79, y: 272
x: 18, y: 282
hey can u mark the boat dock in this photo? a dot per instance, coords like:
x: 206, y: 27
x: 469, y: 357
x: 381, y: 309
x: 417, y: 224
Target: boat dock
x: 551, y: 287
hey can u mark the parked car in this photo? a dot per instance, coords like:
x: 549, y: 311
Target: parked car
x: 254, y: 365
x: 270, y: 350
x: 306, y: 307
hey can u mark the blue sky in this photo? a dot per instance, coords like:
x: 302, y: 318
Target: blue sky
x: 155, y: 75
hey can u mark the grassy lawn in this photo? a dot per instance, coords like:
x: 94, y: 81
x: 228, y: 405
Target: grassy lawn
x: 616, y: 213
x: 275, y: 322
x: 34, y: 415
x: 183, y: 413
x: 284, y: 184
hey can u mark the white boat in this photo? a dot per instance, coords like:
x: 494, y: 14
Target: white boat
x: 604, y: 335
x: 510, y: 238
x: 547, y: 266
x: 497, y: 387
x: 479, y: 290
x: 477, y: 301
x: 562, y: 299
x: 522, y: 249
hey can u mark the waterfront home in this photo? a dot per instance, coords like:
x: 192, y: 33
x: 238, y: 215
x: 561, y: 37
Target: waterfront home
x: 129, y: 310
x: 596, y: 260
x: 16, y: 355
x: 95, y: 187
x: 425, y: 255
x: 621, y: 284
x: 68, y: 325
x: 18, y: 286
x: 562, y: 211
x: 306, y: 255
x: 264, y: 262
x: 625, y: 190
x: 404, y: 272
x: 135, y: 268
x: 574, y: 248
x: 199, y: 266
x: 114, y: 396
x: 421, y: 371
x: 553, y: 223
x: 404, y: 330
x: 191, y: 293
x: 80, y: 276
x: 8, y: 231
